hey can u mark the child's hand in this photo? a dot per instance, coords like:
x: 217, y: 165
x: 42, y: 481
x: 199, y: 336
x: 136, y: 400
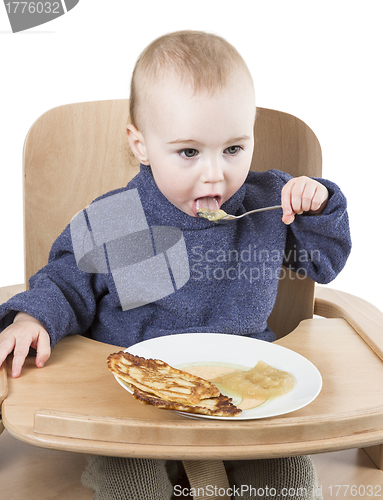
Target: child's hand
x: 25, y: 332
x: 302, y: 194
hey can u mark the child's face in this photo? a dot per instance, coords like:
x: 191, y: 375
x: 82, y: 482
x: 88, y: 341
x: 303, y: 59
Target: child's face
x: 199, y: 147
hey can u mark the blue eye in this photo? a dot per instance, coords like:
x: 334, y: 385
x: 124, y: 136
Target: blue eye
x: 188, y: 153
x: 233, y: 150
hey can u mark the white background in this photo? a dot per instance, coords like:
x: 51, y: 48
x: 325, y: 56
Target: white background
x: 318, y: 60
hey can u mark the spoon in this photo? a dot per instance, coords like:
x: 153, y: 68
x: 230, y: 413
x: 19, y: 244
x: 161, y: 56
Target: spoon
x: 221, y: 216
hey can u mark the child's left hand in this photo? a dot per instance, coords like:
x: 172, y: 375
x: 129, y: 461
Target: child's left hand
x: 302, y: 194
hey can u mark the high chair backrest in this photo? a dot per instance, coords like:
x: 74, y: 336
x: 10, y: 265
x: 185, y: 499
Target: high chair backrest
x: 76, y: 152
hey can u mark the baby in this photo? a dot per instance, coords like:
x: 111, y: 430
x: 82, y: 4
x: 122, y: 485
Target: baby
x: 155, y: 267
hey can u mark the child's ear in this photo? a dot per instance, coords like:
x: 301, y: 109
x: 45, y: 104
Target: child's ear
x: 137, y: 143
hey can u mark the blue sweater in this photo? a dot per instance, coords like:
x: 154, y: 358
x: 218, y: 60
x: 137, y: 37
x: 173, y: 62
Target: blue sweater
x: 126, y: 278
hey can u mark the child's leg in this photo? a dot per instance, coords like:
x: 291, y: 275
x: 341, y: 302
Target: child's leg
x: 290, y: 478
x: 114, y: 478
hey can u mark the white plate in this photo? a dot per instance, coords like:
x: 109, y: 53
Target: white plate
x: 216, y: 348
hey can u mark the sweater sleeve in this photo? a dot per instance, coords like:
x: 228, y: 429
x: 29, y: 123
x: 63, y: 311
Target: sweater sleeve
x: 319, y: 245
x: 60, y: 296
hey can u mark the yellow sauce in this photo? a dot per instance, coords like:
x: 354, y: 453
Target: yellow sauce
x: 209, y: 372
x: 248, y: 388
x: 261, y: 382
x: 212, y: 215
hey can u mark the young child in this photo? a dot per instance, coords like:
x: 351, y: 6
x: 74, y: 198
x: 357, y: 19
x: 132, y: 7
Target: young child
x: 139, y: 263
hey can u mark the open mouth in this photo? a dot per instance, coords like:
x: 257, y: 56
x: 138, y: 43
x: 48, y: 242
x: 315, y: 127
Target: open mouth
x: 206, y: 202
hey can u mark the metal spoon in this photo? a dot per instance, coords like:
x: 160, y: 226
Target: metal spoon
x: 221, y: 216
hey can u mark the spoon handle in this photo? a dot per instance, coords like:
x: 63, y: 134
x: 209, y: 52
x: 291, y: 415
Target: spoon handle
x: 230, y: 217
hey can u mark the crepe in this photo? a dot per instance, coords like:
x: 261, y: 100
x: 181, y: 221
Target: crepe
x: 156, y: 383
x: 157, y: 377
x: 220, y: 406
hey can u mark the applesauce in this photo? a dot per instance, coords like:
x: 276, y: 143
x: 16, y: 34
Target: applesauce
x: 263, y: 381
x: 212, y: 215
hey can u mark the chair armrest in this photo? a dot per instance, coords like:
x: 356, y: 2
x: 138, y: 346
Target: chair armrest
x: 365, y: 319
x: 7, y: 292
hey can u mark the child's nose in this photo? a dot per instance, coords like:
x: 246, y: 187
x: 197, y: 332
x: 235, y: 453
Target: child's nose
x: 212, y: 172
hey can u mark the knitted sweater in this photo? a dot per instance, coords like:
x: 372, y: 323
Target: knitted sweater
x: 125, y: 279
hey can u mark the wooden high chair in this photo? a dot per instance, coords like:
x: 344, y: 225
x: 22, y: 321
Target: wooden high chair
x: 77, y: 152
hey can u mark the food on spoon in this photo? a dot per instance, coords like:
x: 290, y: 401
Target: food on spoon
x: 212, y: 215
x: 209, y: 208
x: 155, y: 382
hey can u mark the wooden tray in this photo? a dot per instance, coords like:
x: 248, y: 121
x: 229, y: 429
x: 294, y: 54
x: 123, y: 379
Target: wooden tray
x: 74, y: 403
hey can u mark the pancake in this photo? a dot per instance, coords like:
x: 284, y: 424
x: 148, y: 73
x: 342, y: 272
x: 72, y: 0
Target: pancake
x: 156, y: 383
x: 157, y: 377
x: 220, y: 406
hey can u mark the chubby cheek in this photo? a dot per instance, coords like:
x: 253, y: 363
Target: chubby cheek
x: 180, y: 196
x: 173, y: 187
x: 179, y: 181
x: 235, y: 182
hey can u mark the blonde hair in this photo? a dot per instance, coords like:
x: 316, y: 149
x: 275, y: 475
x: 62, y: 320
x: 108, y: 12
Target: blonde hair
x: 202, y: 60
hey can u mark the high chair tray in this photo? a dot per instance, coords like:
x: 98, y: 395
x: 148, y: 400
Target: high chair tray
x: 74, y: 403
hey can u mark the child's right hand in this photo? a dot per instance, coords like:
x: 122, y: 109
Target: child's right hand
x: 25, y: 332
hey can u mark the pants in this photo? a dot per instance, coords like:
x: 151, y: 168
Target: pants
x: 114, y: 478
